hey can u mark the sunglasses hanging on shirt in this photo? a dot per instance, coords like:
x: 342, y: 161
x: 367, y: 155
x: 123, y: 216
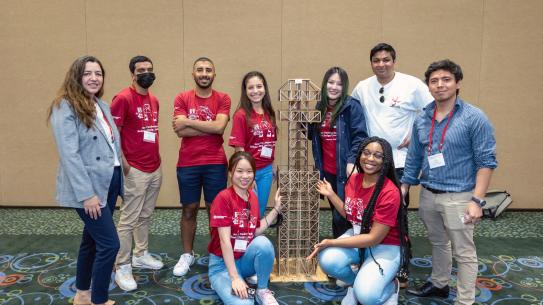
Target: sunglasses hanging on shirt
x: 382, y: 98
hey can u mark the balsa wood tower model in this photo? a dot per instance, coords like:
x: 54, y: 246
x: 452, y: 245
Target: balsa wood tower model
x: 297, y: 180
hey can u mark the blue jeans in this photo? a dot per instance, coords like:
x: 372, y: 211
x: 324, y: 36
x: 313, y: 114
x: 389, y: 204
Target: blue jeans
x: 258, y: 259
x: 99, y: 246
x: 263, y: 179
x: 369, y: 285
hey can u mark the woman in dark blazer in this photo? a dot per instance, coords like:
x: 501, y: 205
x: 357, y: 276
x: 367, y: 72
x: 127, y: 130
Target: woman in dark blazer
x: 335, y: 140
x: 89, y: 176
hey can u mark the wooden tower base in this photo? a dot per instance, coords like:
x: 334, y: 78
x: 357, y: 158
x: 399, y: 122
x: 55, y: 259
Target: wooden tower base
x: 319, y: 275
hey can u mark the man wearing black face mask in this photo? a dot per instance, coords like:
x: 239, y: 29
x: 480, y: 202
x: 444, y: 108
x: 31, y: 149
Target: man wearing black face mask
x: 135, y: 111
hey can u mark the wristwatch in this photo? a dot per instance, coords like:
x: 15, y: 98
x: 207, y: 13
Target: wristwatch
x: 480, y: 202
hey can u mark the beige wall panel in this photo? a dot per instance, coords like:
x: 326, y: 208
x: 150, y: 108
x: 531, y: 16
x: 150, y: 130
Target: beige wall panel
x: 239, y: 36
x: 40, y: 39
x: 119, y: 30
x: 426, y: 31
x: 320, y: 34
x: 494, y: 41
x: 512, y: 71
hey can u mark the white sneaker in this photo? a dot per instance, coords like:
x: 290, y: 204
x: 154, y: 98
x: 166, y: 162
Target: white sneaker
x: 146, y: 261
x: 183, y: 265
x: 341, y: 283
x: 251, y: 280
x: 393, y: 300
x: 265, y: 297
x: 124, y: 278
x: 349, y: 298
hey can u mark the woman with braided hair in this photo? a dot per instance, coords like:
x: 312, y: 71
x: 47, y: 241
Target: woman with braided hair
x: 377, y: 241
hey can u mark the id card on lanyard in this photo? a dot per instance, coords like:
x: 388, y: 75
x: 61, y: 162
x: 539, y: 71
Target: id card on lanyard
x: 266, y: 152
x: 357, y: 229
x: 240, y: 245
x: 437, y: 160
x: 149, y: 136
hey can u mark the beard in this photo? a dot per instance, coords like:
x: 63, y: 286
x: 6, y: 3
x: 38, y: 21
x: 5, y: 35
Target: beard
x: 204, y: 86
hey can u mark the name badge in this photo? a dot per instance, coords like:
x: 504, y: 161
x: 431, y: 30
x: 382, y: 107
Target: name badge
x: 357, y: 229
x: 266, y: 152
x: 240, y: 245
x: 436, y: 161
x: 149, y: 136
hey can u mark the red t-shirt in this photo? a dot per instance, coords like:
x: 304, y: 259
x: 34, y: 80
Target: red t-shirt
x: 386, y: 207
x: 204, y: 149
x: 254, y: 137
x: 328, y: 143
x: 137, y: 117
x: 230, y: 210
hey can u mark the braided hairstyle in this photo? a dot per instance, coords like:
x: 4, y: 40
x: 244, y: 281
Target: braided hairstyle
x: 388, y: 171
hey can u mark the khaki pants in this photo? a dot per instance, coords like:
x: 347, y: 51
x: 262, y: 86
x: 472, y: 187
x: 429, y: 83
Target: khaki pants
x: 140, y: 195
x: 441, y: 214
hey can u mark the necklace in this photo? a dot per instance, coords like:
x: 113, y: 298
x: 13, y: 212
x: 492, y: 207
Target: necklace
x: 245, y: 196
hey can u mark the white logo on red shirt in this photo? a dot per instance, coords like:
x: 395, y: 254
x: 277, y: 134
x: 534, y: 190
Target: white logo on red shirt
x: 258, y: 129
x: 327, y: 119
x: 354, y: 208
x: 146, y: 113
x: 202, y: 113
x: 241, y: 218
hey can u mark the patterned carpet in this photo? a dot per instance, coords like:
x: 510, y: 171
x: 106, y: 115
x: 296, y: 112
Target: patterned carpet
x: 38, y: 248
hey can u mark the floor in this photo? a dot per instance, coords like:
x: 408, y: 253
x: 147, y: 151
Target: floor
x: 38, y: 248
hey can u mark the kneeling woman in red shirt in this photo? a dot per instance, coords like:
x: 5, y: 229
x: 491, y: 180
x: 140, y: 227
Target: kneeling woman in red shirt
x: 378, y: 238
x: 237, y: 249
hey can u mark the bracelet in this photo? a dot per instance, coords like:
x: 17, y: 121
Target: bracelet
x: 267, y: 223
x: 276, y: 210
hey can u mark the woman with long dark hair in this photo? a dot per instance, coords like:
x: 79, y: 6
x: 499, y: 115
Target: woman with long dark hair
x: 377, y: 241
x: 89, y: 176
x: 336, y: 138
x: 254, y: 131
x: 238, y: 249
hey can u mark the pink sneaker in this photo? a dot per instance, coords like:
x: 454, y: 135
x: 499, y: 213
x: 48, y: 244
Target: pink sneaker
x: 265, y: 297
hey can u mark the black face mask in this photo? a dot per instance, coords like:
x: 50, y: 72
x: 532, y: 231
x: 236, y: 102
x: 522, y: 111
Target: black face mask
x: 145, y: 80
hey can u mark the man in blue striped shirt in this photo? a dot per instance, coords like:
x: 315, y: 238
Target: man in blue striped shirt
x: 453, y: 150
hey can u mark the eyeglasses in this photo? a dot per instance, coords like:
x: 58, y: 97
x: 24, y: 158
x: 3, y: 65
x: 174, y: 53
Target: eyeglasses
x: 382, y: 98
x: 376, y: 155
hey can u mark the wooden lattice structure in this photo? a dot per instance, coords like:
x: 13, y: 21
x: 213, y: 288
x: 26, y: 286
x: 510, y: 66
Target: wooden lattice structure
x: 297, y: 180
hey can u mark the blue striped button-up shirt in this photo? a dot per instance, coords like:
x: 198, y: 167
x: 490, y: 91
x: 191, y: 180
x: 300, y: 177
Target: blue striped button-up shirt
x: 469, y: 145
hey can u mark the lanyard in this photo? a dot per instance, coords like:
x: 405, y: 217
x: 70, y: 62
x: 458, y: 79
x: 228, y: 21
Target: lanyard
x: 248, y: 216
x: 99, y: 110
x: 440, y: 146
